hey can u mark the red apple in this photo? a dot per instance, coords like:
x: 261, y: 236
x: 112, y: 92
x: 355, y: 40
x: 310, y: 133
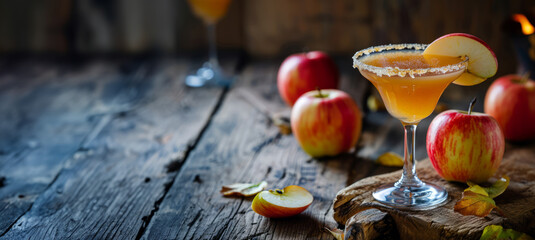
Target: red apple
x: 511, y: 101
x: 482, y: 62
x: 303, y: 72
x: 326, y: 122
x: 465, y: 146
x: 278, y: 203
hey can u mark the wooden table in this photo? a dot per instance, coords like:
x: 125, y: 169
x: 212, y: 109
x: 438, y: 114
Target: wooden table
x: 122, y: 149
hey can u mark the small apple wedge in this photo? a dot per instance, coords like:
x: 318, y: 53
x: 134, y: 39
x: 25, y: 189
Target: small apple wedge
x: 482, y: 62
x: 278, y: 203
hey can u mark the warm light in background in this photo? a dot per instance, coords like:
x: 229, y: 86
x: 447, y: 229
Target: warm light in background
x: 527, y: 28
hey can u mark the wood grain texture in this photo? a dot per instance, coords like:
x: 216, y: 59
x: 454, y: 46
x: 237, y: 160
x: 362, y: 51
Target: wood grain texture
x: 371, y: 224
x: 109, y: 188
x: 443, y: 223
x: 242, y: 145
x: 46, y: 120
x: 124, y: 150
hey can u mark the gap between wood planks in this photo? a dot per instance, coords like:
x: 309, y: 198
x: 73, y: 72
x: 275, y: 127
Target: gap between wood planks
x: 174, y: 166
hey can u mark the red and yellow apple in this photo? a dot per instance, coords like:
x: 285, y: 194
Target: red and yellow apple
x: 465, y: 146
x: 279, y: 203
x: 326, y: 122
x: 303, y: 72
x: 511, y: 101
x: 482, y: 62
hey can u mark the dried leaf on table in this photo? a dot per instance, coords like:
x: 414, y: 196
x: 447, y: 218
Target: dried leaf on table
x: 497, y: 187
x: 478, y: 201
x: 283, y: 123
x: 390, y: 159
x: 476, y: 204
x: 476, y: 189
x: 337, y: 233
x: 243, y: 189
x: 495, y: 232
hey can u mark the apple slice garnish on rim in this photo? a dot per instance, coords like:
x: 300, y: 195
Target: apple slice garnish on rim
x: 482, y: 62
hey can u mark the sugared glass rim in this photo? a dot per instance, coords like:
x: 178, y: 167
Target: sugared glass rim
x: 390, y: 71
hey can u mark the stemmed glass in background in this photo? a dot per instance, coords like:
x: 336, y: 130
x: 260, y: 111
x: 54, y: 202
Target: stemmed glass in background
x: 410, y: 91
x: 210, y: 11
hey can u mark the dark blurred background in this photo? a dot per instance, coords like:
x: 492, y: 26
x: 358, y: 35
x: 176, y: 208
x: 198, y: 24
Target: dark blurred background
x: 258, y: 28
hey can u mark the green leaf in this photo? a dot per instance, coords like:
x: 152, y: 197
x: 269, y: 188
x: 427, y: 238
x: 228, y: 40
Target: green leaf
x: 477, y: 189
x: 496, y: 232
x: 477, y: 200
x: 476, y: 204
x: 498, y: 187
x: 494, y: 190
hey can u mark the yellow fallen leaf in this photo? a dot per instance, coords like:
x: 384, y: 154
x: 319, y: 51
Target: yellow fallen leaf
x: 476, y: 204
x: 243, y: 189
x: 477, y: 189
x: 390, y: 159
x: 496, y: 232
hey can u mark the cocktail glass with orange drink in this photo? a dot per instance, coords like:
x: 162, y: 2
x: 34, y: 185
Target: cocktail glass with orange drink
x: 210, y: 11
x: 410, y: 79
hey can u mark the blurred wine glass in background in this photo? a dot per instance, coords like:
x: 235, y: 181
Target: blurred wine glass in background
x: 210, y: 11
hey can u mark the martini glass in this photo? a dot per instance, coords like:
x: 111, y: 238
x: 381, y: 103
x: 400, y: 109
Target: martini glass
x: 210, y: 11
x: 410, y: 85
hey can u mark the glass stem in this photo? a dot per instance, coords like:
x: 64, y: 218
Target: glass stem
x: 212, y: 45
x: 409, y: 177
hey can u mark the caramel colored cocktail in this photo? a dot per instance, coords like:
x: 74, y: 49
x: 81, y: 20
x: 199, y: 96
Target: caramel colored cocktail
x: 410, y: 85
x: 410, y: 99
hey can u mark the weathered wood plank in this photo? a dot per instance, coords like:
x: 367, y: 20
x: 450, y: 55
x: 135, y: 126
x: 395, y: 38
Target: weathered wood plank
x: 443, y: 223
x: 49, y: 110
x: 242, y: 145
x: 108, y: 189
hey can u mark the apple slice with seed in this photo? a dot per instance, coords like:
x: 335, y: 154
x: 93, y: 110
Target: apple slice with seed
x: 279, y: 203
x: 482, y: 62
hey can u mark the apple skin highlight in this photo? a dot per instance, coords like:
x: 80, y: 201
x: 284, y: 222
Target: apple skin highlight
x: 465, y: 147
x: 326, y: 126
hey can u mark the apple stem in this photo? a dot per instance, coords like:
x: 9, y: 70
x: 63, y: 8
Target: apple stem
x: 278, y: 191
x: 320, y: 95
x: 471, y: 105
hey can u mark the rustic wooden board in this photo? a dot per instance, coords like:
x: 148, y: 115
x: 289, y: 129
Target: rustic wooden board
x: 110, y: 187
x: 50, y: 110
x: 242, y: 145
x: 517, y: 202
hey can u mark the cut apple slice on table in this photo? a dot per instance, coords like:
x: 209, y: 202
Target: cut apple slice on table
x: 278, y: 203
x: 482, y: 62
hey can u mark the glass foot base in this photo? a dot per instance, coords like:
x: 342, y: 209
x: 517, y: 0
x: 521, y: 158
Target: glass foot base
x: 209, y: 76
x: 422, y: 197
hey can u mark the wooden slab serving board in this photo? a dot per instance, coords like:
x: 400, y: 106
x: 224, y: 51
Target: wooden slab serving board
x: 365, y: 218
